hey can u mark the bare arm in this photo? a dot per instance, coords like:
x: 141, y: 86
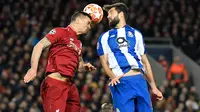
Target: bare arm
x: 37, y: 51
x: 85, y: 66
x: 150, y: 79
x: 148, y: 74
x: 80, y: 67
x: 104, y: 63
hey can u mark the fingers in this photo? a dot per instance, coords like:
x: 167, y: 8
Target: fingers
x: 114, y: 82
x: 158, y: 95
x: 90, y: 67
x: 27, y: 80
x: 118, y: 81
x: 29, y: 76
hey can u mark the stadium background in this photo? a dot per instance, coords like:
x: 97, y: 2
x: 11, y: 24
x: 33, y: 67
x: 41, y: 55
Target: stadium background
x: 167, y: 26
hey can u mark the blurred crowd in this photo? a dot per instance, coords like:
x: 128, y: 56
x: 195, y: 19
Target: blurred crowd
x: 179, y: 92
x: 24, y: 22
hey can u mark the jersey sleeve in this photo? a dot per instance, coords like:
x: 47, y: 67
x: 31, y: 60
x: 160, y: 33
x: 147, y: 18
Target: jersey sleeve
x: 54, y: 35
x: 102, y: 45
x: 140, y: 43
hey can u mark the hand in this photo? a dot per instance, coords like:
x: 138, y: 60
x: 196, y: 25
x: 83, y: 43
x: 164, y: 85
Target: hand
x: 30, y: 75
x: 158, y: 94
x: 89, y: 67
x: 114, y: 81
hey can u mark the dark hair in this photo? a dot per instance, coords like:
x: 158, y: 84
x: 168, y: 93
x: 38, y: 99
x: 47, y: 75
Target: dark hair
x: 79, y: 14
x: 120, y: 7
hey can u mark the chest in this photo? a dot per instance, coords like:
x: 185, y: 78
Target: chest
x: 122, y: 41
x: 72, y: 44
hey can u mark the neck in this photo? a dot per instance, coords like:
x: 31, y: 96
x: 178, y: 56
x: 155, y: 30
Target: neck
x: 121, y: 24
x: 73, y: 26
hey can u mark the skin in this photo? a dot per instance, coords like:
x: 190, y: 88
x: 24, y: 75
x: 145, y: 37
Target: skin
x: 81, y: 26
x: 113, y: 17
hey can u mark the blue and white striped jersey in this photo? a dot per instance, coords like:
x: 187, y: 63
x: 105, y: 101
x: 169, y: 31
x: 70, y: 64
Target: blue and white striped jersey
x: 124, y: 47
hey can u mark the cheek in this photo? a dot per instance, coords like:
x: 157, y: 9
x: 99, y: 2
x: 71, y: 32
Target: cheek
x: 85, y: 26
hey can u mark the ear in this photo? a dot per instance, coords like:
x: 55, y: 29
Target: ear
x: 77, y: 20
x: 121, y: 15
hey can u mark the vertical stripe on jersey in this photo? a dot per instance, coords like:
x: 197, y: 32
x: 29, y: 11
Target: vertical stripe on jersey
x: 133, y: 50
x: 111, y: 58
x: 100, y: 50
x: 120, y: 57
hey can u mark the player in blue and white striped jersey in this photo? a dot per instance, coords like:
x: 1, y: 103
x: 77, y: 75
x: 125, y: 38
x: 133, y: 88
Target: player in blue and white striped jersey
x: 122, y: 55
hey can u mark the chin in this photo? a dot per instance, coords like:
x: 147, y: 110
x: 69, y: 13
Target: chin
x: 85, y: 32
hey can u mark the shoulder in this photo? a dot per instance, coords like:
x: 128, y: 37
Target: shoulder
x: 58, y: 30
x: 137, y: 33
x: 104, y: 35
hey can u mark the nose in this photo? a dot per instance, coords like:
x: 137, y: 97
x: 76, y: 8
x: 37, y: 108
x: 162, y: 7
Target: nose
x: 89, y: 26
x: 108, y: 16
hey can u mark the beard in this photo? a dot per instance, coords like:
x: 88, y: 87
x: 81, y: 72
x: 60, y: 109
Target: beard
x: 113, y: 23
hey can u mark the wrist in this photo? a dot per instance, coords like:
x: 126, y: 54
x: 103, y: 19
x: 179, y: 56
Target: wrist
x: 113, y: 77
x: 34, y: 68
x: 154, y: 88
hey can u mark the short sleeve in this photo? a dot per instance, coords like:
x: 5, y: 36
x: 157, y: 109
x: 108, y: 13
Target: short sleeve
x: 54, y: 35
x: 140, y: 43
x: 101, y: 44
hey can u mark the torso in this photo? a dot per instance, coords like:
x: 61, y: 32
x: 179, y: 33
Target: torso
x: 64, y: 53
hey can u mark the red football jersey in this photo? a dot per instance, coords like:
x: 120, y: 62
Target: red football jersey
x: 64, y: 52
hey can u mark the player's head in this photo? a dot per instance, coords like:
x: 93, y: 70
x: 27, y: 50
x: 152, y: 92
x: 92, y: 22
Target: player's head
x: 116, y: 13
x: 82, y: 22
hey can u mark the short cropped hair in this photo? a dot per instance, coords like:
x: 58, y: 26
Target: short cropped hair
x: 120, y: 7
x: 79, y: 14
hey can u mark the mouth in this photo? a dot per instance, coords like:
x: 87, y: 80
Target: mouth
x: 109, y: 20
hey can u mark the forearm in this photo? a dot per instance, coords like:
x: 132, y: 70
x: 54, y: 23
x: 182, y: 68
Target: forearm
x: 108, y: 71
x: 81, y: 67
x: 149, y: 76
x: 37, y: 51
x: 149, y: 73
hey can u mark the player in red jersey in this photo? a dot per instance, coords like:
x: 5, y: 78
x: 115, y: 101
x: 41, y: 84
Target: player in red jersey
x: 59, y: 94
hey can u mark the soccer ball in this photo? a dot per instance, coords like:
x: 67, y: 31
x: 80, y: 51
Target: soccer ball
x: 95, y: 11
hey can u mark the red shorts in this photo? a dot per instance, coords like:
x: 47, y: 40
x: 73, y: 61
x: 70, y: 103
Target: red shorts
x: 59, y: 96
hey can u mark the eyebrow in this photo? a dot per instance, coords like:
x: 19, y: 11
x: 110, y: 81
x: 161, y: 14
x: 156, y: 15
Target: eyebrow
x: 111, y: 10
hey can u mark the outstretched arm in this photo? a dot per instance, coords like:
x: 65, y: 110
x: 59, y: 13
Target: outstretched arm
x: 150, y: 78
x: 37, y: 51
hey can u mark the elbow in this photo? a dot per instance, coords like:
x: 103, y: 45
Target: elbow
x: 38, y: 46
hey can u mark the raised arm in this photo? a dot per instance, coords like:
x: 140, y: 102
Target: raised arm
x: 37, y: 51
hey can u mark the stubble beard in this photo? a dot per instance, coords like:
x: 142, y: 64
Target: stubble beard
x: 113, y: 23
